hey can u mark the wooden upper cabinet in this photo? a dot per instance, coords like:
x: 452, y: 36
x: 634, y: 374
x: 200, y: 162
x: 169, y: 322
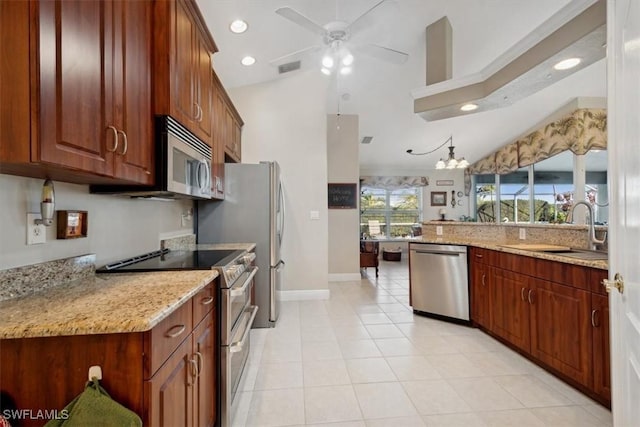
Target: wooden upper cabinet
x: 74, y: 98
x: 88, y: 82
x: 219, y: 134
x: 182, y: 66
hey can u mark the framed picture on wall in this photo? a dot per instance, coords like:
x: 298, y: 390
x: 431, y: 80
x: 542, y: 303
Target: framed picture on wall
x: 438, y: 198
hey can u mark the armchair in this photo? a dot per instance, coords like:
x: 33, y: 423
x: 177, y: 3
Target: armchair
x: 369, y: 251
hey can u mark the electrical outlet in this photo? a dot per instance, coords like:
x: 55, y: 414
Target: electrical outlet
x: 523, y: 233
x: 36, y: 234
x: 438, y: 230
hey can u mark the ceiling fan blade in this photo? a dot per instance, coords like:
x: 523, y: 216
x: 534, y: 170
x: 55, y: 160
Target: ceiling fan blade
x: 294, y: 56
x: 384, y: 53
x: 364, y: 20
x: 303, y: 21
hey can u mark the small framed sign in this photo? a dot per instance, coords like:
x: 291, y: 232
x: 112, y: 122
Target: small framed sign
x: 444, y: 182
x: 343, y: 196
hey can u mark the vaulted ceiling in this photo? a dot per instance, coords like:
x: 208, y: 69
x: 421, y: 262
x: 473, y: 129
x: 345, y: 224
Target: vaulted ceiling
x: 380, y: 92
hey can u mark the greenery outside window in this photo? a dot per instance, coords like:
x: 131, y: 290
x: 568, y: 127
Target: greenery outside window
x: 396, y: 211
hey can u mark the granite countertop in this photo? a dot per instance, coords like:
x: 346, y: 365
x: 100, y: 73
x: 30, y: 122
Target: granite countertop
x: 601, y: 264
x: 233, y: 246
x: 101, y: 304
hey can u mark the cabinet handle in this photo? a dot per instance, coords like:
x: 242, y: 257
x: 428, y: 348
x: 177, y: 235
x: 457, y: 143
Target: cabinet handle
x: 200, y: 362
x: 529, y: 296
x: 206, y: 301
x: 483, y: 283
x: 200, y: 113
x: 478, y: 256
x: 594, y: 319
x: 115, y: 137
x: 179, y: 329
x: 522, y: 294
x: 125, y: 143
x: 194, y: 368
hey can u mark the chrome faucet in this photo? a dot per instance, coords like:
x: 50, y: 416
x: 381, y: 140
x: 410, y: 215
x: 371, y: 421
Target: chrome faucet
x: 593, y: 241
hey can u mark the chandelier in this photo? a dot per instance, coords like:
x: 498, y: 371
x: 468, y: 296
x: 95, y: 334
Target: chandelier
x: 451, y: 162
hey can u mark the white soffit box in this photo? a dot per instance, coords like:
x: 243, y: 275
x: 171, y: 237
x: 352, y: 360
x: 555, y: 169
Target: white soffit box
x: 577, y: 30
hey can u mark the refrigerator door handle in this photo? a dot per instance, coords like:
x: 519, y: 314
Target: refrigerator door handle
x: 282, y: 214
x: 279, y: 266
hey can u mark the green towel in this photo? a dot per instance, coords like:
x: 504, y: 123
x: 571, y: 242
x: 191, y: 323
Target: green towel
x: 94, y: 407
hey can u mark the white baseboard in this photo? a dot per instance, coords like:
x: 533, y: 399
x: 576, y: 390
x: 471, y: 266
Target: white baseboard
x: 344, y: 277
x: 315, y: 294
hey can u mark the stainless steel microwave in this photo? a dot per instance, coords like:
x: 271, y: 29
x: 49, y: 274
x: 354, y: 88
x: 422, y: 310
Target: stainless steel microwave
x: 183, y: 166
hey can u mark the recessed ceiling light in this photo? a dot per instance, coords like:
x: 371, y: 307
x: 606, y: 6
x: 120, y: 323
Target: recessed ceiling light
x: 248, y: 60
x: 567, y: 63
x: 468, y: 107
x: 238, y: 26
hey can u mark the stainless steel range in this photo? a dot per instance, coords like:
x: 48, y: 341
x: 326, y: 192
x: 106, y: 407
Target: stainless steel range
x: 236, y: 313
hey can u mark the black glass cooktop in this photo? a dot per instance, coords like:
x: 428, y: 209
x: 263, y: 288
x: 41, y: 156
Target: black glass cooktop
x: 173, y: 260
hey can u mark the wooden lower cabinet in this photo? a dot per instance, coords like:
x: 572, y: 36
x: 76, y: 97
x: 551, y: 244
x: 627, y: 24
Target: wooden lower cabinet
x: 563, y: 326
x: 167, y: 375
x: 561, y: 329
x: 510, y: 313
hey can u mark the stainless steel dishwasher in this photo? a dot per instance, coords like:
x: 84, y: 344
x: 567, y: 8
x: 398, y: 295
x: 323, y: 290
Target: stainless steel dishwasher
x: 439, y: 280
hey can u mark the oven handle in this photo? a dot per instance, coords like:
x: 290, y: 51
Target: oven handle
x: 237, y: 346
x: 245, y: 285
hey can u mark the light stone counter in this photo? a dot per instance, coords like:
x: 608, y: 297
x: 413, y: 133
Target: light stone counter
x: 495, y: 245
x: 104, y: 304
x: 232, y: 246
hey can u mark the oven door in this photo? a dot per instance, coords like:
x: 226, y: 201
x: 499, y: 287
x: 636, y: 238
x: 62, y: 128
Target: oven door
x: 234, y: 301
x: 233, y: 360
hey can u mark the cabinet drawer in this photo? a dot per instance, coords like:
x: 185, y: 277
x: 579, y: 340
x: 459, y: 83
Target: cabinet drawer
x: 165, y: 337
x: 203, y: 302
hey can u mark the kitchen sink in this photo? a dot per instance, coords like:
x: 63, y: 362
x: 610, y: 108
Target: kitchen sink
x: 583, y: 254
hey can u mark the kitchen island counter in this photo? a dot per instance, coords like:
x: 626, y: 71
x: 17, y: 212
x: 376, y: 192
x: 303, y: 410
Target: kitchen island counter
x: 101, y: 304
x: 499, y: 246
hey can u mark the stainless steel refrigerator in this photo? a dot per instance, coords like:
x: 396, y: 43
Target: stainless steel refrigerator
x: 252, y: 212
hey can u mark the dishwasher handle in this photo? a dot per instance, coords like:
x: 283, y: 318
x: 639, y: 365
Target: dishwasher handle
x: 437, y: 253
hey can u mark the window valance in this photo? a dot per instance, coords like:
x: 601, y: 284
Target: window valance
x: 580, y: 131
x: 393, y: 182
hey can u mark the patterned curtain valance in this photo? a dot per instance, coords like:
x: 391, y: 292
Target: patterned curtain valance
x: 583, y: 130
x: 393, y: 182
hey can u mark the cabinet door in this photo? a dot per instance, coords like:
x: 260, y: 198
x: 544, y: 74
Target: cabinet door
x: 217, y: 166
x: 205, y: 384
x: 204, y: 91
x: 132, y: 92
x: 601, y: 346
x: 170, y: 390
x: 228, y: 132
x: 480, y: 294
x: 182, y: 85
x: 560, y: 329
x: 74, y: 67
x: 510, y: 308
x: 237, y: 140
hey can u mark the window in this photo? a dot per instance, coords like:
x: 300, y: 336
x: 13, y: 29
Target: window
x: 395, y: 210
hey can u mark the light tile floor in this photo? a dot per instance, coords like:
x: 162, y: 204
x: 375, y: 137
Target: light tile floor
x: 363, y: 359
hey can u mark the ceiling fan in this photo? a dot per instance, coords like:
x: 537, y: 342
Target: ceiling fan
x: 336, y: 42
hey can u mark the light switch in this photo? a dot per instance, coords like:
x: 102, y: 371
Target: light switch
x: 523, y: 233
x: 438, y: 230
x: 314, y: 215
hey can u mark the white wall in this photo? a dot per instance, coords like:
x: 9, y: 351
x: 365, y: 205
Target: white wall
x: 286, y: 122
x: 344, y: 228
x: 118, y: 227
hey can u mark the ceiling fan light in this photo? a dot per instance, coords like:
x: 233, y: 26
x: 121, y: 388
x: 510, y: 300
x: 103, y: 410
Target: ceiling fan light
x: 347, y: 60
x: 567, y: 64
x: 440, y: 164
x: 238, y: 26
x: 327, y: 61
x: 345, y: 70
x: 325, y: 71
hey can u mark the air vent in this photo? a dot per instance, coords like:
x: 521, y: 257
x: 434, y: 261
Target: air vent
x: 366, y: 140
x: 290, y: 66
